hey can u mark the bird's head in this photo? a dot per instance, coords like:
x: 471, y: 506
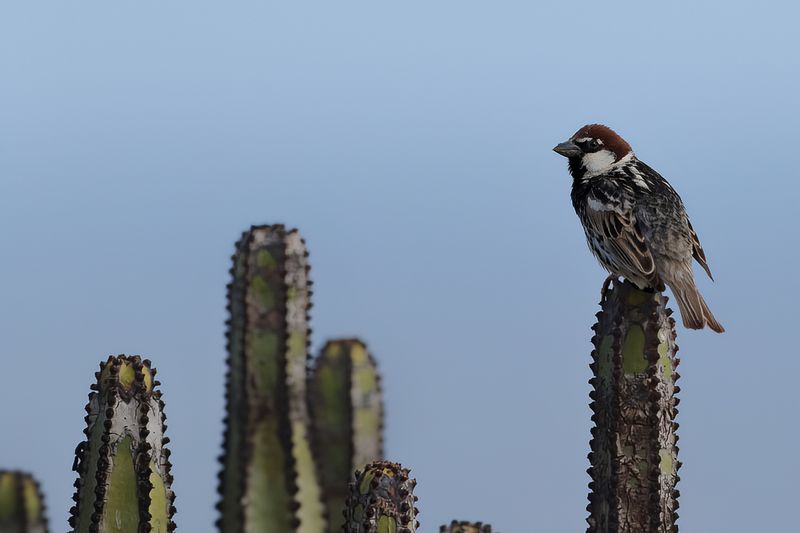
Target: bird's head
x: 593, y: 149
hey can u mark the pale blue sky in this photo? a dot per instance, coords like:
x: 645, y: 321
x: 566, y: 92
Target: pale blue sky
x: 411, y: 145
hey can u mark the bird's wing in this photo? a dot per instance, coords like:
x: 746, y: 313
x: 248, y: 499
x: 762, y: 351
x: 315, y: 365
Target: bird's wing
x: 697, y: 251
x: 608, y: 217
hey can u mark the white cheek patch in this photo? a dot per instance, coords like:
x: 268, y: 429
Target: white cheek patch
x: 598, y: 161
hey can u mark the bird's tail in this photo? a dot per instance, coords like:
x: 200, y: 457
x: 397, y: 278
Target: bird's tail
x: 694, y: 309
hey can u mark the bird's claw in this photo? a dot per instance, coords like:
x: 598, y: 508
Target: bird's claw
x: 606, y: 286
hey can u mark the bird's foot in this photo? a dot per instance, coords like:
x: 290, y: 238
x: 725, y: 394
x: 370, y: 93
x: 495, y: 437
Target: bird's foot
x: 606, y: 286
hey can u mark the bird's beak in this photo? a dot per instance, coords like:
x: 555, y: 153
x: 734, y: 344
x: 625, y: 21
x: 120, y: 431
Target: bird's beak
x: 568, y: 149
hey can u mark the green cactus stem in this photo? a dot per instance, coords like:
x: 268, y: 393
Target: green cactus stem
x: 22, y: 507
x: 634, y: 452
x: 347, y: 419
x: 124, y: 482
x: 466, y: 527
x: 268, y: 481
x: 381, y: 500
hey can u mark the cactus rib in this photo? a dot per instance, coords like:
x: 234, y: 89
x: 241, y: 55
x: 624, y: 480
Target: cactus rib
x: 381, y: 500
x: 125, y: 478
x: 634, y: 443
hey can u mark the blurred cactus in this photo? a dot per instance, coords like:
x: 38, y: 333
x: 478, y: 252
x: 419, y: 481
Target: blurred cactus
x: 466, y: 527
x: 381, y: 500
x: 633, y: 454
x: 347, y: 419
x: 124, y: 482
x: 22, y: 507
x: 268, y: 481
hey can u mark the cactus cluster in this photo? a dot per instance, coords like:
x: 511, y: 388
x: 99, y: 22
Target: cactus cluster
x: 303, y: 445
x: 293, y: 437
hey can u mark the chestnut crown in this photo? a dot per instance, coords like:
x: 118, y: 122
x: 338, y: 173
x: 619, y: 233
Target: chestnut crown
x: 594, y: 138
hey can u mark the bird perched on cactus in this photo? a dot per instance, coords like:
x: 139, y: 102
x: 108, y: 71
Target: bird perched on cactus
x: 635, y: 222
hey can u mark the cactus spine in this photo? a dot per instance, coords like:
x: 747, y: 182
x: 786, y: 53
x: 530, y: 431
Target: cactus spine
x: 466, y: 527
x: 268, y: 481
x: 124, y: 482
x: 22, y: 507
x: 347, y: 414
x: 633, y: 454
x: 382, y: 500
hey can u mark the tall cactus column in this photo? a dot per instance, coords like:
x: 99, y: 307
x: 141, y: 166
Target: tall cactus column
x: 268, y: 481
x: 633, y: 448
x: 125, y: 480
x: 347, y: 415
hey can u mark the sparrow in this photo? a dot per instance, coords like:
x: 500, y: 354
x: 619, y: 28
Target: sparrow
x: 635, y: 222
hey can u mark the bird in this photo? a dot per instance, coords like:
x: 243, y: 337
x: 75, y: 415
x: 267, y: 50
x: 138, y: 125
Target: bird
x: 635, y: 222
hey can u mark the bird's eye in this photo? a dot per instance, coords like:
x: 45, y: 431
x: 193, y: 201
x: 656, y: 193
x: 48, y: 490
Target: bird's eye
x: 589, y: 145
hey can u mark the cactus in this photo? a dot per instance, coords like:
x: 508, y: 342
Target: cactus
x: 466, y: 527
x: 381, y: 500
x: 633, y: 448
x: 268, y: 480
x: 22, y: 507
x: 347, y: 419
x: 124, y: 482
